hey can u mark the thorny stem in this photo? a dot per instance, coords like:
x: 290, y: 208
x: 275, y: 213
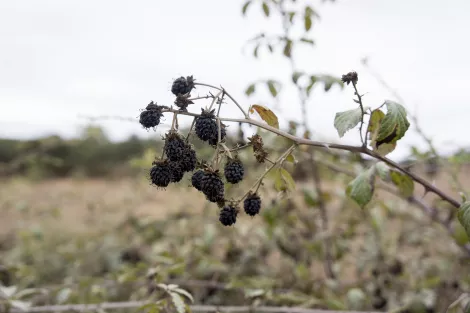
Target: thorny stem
x: 359, y: 99
x: 191, y: 128
x: 278, y: 161
x: 354, y: 149
x: 201, y: 97
x: 215, y: 99
x: 175, y: 114
x: 231, y: 98
x: 219, y: 138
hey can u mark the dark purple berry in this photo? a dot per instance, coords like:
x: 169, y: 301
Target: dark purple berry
x: 196, y: 179
x: 150, y: 117
x: 252, y: 204
x: 182, y: 85
x: 188, y: 159
x: 206, y: 126
x: 212, y: 186
x: 174, y: 146
x: 234, y: 171
x: 160, y: 174
x: 177, y: 172
x: 228, y: 215
x: 213, y: 141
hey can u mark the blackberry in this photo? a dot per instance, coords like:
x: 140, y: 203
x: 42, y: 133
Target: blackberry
x: 177, y: 172
x: 217, y: 198
x: 150, y: 117
x: 213, y: 141
x: 206, y: 126
x: 234, y: 171
x: 174, y: 146
x: 188, y: 159
x: 160, y: 173
x: 228, y: 215
x: 182, y: 85
x: 196, y: 179
x: 212, y: 186
x: 252, y: 204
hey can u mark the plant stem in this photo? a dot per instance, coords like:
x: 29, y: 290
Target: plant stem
x: 278, y: 161
x: 215, y: 99
x: 231, y: 98
x: 190, y: 129
x: 355, y: 149
x: 175, y: 114
x: 359, y: 99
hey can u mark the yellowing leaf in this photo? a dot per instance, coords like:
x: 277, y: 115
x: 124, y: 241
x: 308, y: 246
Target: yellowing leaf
x: 347, y: 120
x: 394, y: 125
x: 381, y: 147
x: 404, y: 183
x: 284, y: 181
x: 266, y: 114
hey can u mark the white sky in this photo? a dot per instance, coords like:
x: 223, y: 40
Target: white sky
x: 62, y: 59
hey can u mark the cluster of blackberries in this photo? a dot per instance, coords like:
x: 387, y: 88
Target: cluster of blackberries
x: 181, y: 158
x: 150, y: 117
x: 206, y: 128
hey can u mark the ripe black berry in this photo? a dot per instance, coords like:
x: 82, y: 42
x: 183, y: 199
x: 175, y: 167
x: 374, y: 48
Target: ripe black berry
x: 223, y: 134
x: 234, y: 171
x: 252, y: 204
x: 177, y: 172
x: 151, y: 116
x: 174, y: 146
x: 188, y: 159
x: 196, y: 179
x: 160, y: 173
x: 228, y: 215
x: 206, y: 126
x: 182, y: 85
x: 212, y: 186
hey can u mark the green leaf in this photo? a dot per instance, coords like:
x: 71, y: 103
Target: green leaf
x: 347, y: 120
x: 361, y: 188
x: 310, y: 198
x: 266, y: 114
x: 178, y: 302
x: 272, y: 88
x: 307, y: 40
x: 394, y: 125
x: 404, y: 183
x: 291, y: 158
x: 266, y: 9
x: 284, y: 181
x: 250, y: 89
x: 20, y: 305
x: 288, y: 48
x: 245, y: 7
x: 291, y: 16
x: 383, y: 170
x: 296, y: 76
x: 255, y: 51
x: 307, y: 22
x: 184, y: 293
x: 460, y: 235
x: 373, y: 129
x: 464, y: 216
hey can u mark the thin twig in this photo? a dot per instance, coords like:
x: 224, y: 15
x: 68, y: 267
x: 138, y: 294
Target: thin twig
x: 191, y: 128
x: 278, y: 161
x: 359, y: 99
x: 231, y: 98
x: 356, y: 149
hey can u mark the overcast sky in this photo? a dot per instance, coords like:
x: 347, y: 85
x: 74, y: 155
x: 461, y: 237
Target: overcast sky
x: 60, y: 59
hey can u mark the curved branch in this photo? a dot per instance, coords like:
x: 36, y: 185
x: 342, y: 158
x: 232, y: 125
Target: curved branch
x: 356, y: 149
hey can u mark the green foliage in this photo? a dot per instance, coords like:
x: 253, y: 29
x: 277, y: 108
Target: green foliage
x: 361, y: 188
x: 347, y: 120
x: 464, y: 216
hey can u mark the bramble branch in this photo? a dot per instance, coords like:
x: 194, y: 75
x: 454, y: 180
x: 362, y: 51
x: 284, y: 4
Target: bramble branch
x: 355, y: 149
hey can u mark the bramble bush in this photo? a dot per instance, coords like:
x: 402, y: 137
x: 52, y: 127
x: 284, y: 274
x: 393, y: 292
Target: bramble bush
x: 353, y: 212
